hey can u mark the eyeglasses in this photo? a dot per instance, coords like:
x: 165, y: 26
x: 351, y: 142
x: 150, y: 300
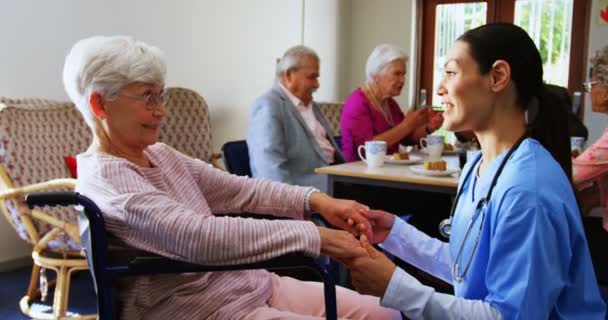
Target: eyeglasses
x: 588, y: 85
x: 152, y: 101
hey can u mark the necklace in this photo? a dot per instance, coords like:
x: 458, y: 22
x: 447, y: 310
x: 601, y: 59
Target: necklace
x: 380, y: 107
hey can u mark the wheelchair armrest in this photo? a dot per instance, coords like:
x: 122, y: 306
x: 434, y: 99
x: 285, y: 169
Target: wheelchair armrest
x: 150, y: 264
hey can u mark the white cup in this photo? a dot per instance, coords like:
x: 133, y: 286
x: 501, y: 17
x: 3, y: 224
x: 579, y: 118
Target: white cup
x: 433, y: 146
x: 375, y: 152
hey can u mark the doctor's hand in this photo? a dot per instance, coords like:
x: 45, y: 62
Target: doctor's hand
x: 340, y: 212
x: 372, y: 273
x: 381, y: 222
x: 340, y: 244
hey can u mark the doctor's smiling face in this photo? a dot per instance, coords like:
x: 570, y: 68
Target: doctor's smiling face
x: 465, y: 92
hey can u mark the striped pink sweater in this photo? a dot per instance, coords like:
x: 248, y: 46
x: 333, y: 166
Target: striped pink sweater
x: 169, y: 210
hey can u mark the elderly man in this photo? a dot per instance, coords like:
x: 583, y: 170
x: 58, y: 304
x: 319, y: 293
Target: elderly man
x: 288, y: 136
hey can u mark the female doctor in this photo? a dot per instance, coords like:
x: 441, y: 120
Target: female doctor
x: 517, y: 248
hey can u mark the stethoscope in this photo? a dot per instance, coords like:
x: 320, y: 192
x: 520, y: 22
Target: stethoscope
x: 445, y: 227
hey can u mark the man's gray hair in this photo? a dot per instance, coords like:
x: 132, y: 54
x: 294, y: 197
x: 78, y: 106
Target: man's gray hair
x: 105, y: 65
x: 599, y: 65
x: 294, y: 58
x: 380, y: 58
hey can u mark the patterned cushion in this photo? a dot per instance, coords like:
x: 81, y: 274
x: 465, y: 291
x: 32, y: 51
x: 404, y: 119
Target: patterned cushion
x: 35, y: 135
x: 333, y: 112
x: 186, y: 127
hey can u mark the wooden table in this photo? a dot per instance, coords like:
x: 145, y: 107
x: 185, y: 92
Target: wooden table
x: 390, y: 175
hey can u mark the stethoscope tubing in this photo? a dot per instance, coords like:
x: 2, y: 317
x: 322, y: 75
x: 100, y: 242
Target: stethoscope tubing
x: 445, y: 227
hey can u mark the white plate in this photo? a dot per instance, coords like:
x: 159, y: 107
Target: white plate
x: 412, y: 160
x: 433, y: 173
x: 445, y: 152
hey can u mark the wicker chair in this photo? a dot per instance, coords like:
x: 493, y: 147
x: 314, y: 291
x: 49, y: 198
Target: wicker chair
x: 333, y: 112
x: 35, y: 136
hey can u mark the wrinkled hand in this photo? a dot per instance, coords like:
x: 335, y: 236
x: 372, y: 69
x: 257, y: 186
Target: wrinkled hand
x: 338, y: 212
x: 381, y: 222
x: 372, y: 273
x: 435, y: 119
x: 340, y: 244
x: 416, y: 118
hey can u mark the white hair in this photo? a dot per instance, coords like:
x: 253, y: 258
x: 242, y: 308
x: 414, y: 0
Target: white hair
x: 599, y: 65
x: 105, y: 65
x: 293, y: 59
x: 380, y: 58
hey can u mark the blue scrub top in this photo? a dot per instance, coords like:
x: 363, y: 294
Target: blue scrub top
x: 532, y: 259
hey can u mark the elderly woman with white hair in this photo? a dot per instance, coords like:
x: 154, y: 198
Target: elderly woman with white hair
x: 371, y: 113
x: 159, y: 200
x: 590, y: 169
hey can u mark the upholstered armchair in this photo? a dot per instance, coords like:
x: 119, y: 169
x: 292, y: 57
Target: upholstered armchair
x: 333, y: 112
x: 186, y: 127
x: 35, y: 136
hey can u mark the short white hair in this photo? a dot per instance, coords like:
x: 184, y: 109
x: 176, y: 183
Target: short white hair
x: 294, y: 58
x: 599, y: 65
x: 380, y: 58
x: 107, y: 64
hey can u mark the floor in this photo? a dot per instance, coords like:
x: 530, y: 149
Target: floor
x: 14, y: 284
x: 82, y: 294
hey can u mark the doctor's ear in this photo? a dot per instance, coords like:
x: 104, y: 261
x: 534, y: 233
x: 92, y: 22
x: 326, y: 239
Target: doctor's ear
x: 97, y: 103
x: 500, y: 74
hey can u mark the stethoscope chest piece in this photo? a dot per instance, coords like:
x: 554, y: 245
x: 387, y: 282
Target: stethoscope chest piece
x: 445, y: 228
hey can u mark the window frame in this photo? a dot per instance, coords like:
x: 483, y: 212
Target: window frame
x: 504, y: 11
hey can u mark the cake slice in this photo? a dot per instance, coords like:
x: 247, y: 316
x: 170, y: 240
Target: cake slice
x: 401, y: 156
x: 435, y: 165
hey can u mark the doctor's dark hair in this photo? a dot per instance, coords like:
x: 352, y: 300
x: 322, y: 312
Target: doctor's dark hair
x: 547, y: 119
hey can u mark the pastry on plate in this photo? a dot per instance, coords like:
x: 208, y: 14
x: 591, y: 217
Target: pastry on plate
x: 401, y: 156
x: 435, y: 165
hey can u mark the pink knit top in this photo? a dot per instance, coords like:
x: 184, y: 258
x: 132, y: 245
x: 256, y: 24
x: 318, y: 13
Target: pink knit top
x: 169, y: 210
x: 592, y: 166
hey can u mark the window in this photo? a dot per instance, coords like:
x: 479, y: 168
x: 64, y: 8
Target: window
x: 550, y: 23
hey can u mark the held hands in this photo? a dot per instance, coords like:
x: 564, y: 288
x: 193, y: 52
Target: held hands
x: 371, y: 270
x: 371, y: 273
x: 381, y: 224
x: 344, y: 214
x: 340, y: 244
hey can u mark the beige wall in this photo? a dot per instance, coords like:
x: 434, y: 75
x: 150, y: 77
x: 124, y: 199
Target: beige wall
x: 225, y: 50
x: 373, y: 23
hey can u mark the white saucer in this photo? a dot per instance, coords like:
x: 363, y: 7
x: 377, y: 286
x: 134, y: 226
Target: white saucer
x: 433, y: 173
x: 412, y: 160
x: 444, y: 153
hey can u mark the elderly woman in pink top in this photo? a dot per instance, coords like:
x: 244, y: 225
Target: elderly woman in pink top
x: 159, y: 200
x: 591, y: 167
x: 371, y: 113
x: 590, y: 170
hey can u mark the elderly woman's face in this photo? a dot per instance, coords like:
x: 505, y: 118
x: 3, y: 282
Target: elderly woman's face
x: 391, y: 80
x: 134, y: 116
x: 599, y: 95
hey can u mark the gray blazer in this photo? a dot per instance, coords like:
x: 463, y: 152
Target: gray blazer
x: 281, y: 146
